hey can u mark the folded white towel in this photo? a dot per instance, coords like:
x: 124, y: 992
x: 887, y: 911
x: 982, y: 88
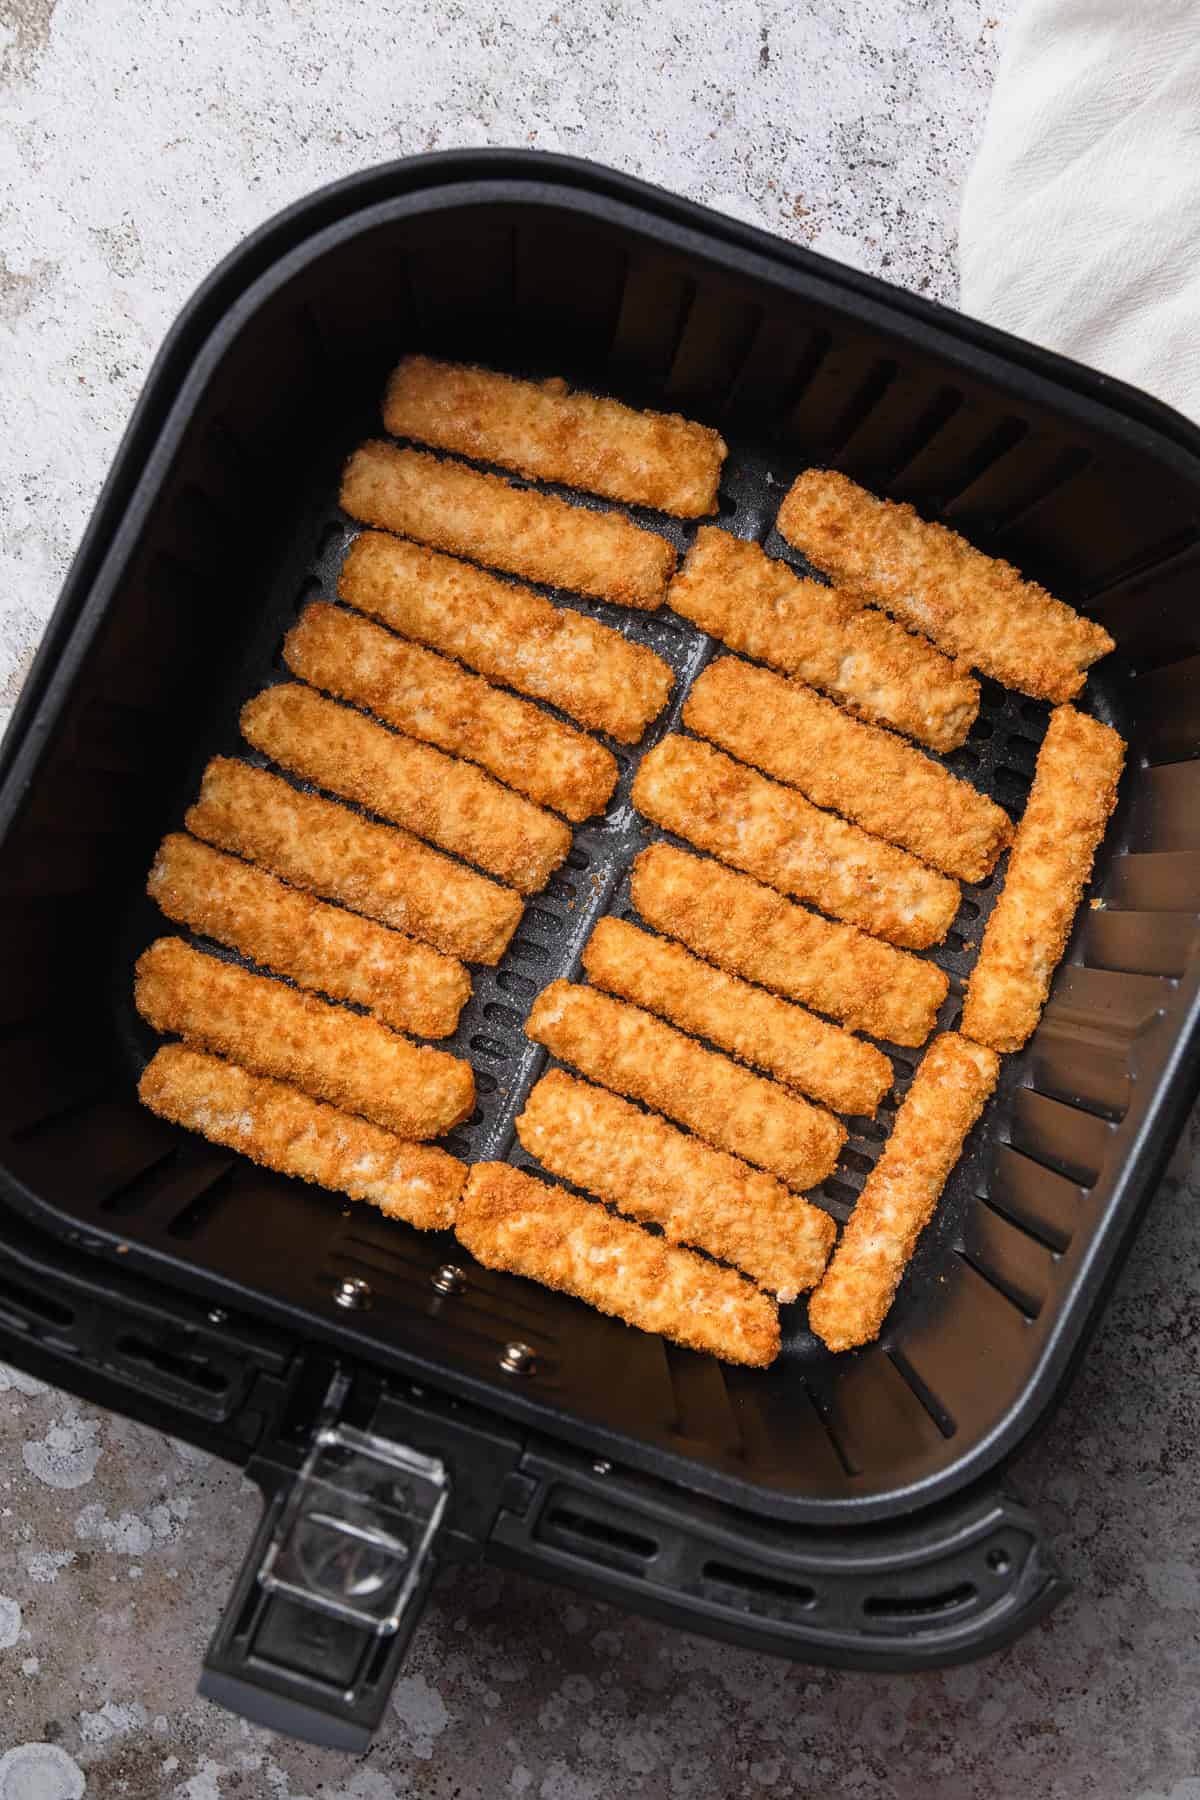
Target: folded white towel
x: 1081, y: 217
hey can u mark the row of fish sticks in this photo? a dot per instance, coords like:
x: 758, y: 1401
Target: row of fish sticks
x: 414, y: 796
x: 435, y: 797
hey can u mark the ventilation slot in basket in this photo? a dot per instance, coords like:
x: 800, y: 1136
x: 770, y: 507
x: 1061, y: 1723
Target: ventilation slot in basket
x: 1006, y: 1286
x: 202, y: 1209
x: 605, y: 1540
x: 182, y: 1368
x: 757, y: 1593
x: 32, y: 1309
x: 920, y: 1606
x: 1039, y: 1202
x: 132, y: 1196
x: 933, y: 1406
x: 1060, y: 1137
x: 981, y: 461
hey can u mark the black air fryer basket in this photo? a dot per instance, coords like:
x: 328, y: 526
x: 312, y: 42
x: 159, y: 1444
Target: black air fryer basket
x: 837, y: 1509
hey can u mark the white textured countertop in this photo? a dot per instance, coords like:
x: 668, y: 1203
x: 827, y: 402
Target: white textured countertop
x: 139, y: 142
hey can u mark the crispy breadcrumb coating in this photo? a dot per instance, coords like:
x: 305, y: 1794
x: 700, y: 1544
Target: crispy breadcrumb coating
x: 376, y: 870
x: 751, y: 931
x: 698, y: 1195
x: 510, y: 1221
x: 281, y: 1128
x: 343, y: 1057
x: 794, y: 1046
x: 629, y: 1051
x: 973, y: 606
x: 947, y: 1095
x: 508, y: 633
x: 408, y: 985
x: 451, y: 803
x: 427, y: 697
x: 548, y: 433
x: 867, y: 775
x: 1073, y: 795
x: 454, y: 508
x: 774, y: 834
x: 870, y: 665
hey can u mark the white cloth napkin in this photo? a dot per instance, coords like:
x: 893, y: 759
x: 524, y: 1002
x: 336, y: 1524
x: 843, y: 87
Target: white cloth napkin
x: 1081, y: 216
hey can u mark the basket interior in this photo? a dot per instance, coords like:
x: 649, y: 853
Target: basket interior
x: 244, y: 529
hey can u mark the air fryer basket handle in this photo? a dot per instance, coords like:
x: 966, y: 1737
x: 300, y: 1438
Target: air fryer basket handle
x: 935, y: 1588
x: 331, y: 1589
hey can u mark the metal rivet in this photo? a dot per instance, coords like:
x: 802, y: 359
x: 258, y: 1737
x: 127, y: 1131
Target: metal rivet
x: 353, y: 1293
x: 602, y: 1467
x: 518, y: 1359
x: 449, y: 1279
x: 218, y: 1316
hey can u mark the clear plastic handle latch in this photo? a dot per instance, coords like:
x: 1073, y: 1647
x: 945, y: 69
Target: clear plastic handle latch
x: 332, y: 1587
x: 353, y: 1539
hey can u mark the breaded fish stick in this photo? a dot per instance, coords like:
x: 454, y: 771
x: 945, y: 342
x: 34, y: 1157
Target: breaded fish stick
x: 408, y: 985
x: 281, y: 1128
x: 867, y: 775
x: 868, y: 664
x: 427, y: 697
x: 629, y: 1051
x: 548, y: 433
x: 973, y: 606
x: 455, y: 508
x: 375, y: 870
x: 510, y: 1221
x: 508, y: 633
x: 451, y: 803
x: 1074, y: 792
x: 661, y: 1176
x: 795, y: 1047
x: 750, y: 930
x: 773, y: 833
x: 898, y: 1197
x: 335, y: 1055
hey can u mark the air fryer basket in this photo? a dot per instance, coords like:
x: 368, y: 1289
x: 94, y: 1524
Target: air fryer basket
x: 220, y: 521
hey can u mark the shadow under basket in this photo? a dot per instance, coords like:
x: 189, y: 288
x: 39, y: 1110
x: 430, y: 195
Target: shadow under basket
x: 836, y: 1508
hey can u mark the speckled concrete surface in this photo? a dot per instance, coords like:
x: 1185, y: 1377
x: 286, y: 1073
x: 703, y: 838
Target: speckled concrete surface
x: 138, y: 143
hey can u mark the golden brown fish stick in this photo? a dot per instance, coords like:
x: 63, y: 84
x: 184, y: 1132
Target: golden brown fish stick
x: 451, y: 803
x: 773, y: 833
x: 868, y: 664
x: 454, y: 508
x: 867, y: 775
x: 376, y: 870
x: 410, y: 986
x: 508, y: 633
x: 661, y: 1176
x: 628, y: 1050
x: 334, y: 1055
x: 795, y: 1047
x: 752, y: 931
x: 427, y: 697
x: 278, y: 1126
x: 1074, y: 792
x: 973, y: 606
x: 948, y: 1094
x: 509, y: 1221
x: 548, y: 433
